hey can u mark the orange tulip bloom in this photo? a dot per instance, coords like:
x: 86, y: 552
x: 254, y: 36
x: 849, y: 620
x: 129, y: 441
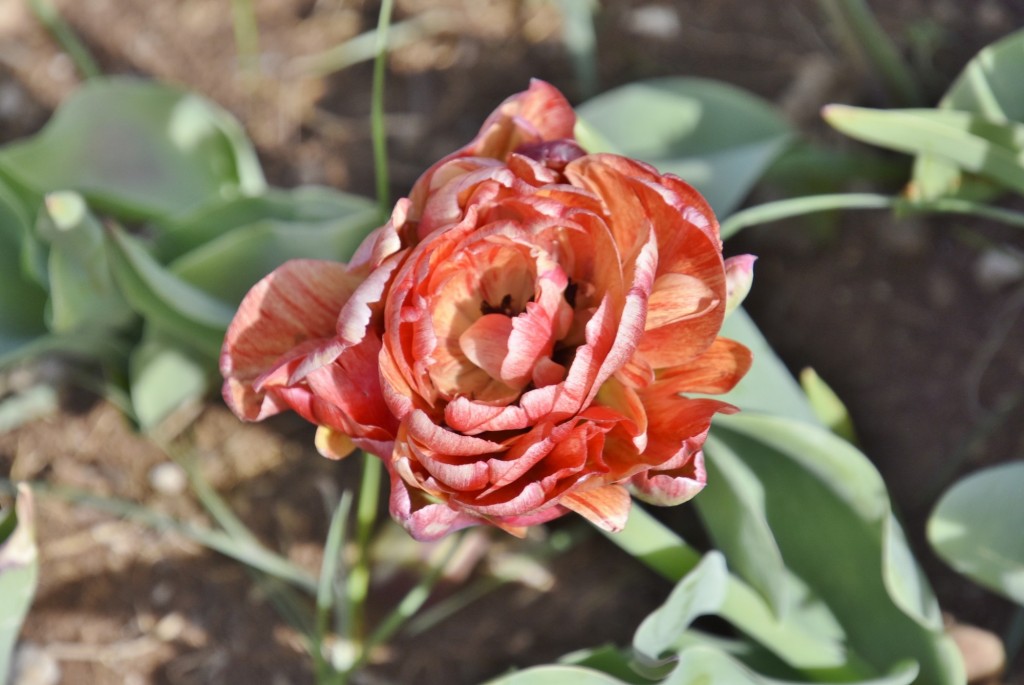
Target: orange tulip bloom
x: 515, y: 343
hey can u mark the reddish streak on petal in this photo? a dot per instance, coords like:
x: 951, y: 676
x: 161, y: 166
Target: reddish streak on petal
x: 299, y: 302
x: 677, y: 297
x: 607, y: 507
x: 715, y: 371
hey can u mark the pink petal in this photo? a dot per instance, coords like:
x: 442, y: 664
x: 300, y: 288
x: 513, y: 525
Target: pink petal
x: 425, y: 519
x: 739, y: 276
x: 298, y: 302
x: 669, y: 488
x: 486, y: 343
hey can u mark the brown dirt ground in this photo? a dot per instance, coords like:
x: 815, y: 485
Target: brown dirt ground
x: 894, y: 316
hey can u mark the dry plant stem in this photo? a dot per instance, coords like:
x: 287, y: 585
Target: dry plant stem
x: 48, y: 16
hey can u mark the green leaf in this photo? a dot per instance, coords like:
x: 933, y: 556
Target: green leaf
x: 305, y: 205
x: 22, y: 301
x: 811, y: 643
x: 700, y: 592
x: 976, y: 528
x: 606, y: 659
x: 993, y: 150
x: 988, y: 86
x: 702, y: 665
x: 164, y: 299
x: 716, y: 136
x: 733, y: 512
x: 831, y: 517
x: 826, y: 404
x: 163, y: 376
x: 19, y: 572
x: 232, y: 263
x: 82, y: 290
x: 768, y: 386
x: 138, y: 149
x: 556, y: 675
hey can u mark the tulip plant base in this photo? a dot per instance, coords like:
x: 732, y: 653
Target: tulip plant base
x: 891, y: 317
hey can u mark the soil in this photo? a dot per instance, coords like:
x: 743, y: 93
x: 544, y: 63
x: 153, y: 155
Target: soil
x: 908, y: 321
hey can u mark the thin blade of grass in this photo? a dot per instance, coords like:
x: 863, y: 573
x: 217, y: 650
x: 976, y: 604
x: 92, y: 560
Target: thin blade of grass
x: 867, y: 43
x: 214, y: 504
x: 363, y: 47
x: 327, y: 590
x: 255, y: 556
x: 799, y: 206
x: 378, y: 134
x: 409, y: 604
x: 62, y: 32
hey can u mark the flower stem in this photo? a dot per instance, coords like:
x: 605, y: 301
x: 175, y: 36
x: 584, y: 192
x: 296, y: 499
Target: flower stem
x: 358, y: 584
x: 380, y: 152
x: 799, y: 206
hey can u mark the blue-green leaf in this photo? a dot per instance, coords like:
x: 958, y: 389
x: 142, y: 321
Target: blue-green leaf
x: 164, y: 299
x: 229, y: 265
x: 988, y: 86
x: 700, y: 592
x: 163, y: 375
x: 994, y: 150
x: 977, y: 528
x: 717, y: 137
x: 138, y: 149
x: 307, y: 205
x: 556, y: 675
x: 703, y: 665
x: 831, y: 517
x: 22, y: 301
x: 733, y: 511
x: 768, y: 386
x: 82, y: 290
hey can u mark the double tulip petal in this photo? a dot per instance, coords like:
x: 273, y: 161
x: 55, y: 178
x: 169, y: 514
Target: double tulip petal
x: 520, y: 339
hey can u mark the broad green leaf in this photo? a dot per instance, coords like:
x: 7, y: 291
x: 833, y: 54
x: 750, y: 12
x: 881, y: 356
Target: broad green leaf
x: 232, y: 263
x: 809, y: 644
x: 138, y: 149
x: 768, y: 386
x: 164, y: 299
x: 988, y: 86
x: 305, y: 205
x: 19, y: 572
x: 831, y: 517
x: 732, y: 509
x: 977, y: 528
x: 716, y: 136
x: 164, y: 375
x: 82, y: 290
x: 703, y: 665
x: 22, y: 301
x: 700, y: 592
x: 826, y: 405
x: 993, y: 150
x: 556, y: 675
